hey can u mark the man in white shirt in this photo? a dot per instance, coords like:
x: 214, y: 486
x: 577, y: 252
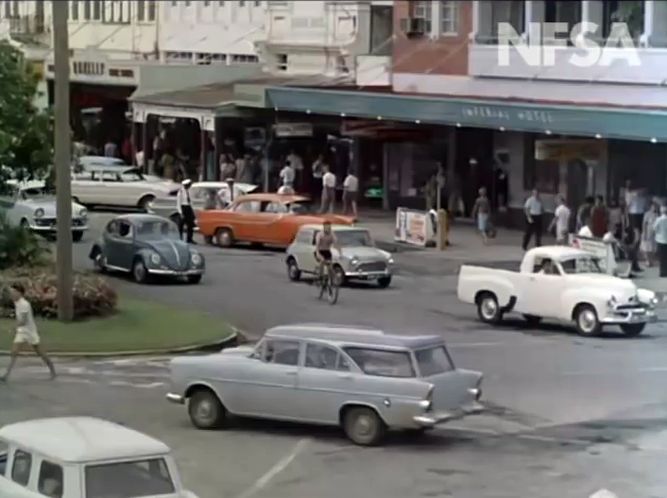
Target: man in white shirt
x: 350, y: 192
x: 533, y: 210
x: 561, y: 221
x: 328, y: 191
x: 185, y: 211
x: 296, y: 163
x: 287, y: 175
x: 26, y: 331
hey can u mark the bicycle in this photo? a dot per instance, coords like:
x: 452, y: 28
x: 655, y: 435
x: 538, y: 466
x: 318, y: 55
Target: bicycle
x: 328, y: 283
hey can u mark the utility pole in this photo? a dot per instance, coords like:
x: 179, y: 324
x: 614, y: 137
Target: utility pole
x: 62, y: 162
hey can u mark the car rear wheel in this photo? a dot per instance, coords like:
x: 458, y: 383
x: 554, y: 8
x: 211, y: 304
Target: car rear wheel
x: 488, y: 308
x: 384, y: 282
x: 139, y: 271
x: 293, y: 272
x: 224, y: 237
x: 633, y: 329
x: 206, y: 411
x: 586, y: 319
x: 363, y: 426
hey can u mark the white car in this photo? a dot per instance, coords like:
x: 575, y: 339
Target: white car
x: 83, y: 457
x: 113, y: 186
x: 86, y: 163
x: 30, y: 205
x: 359, y: 260
x: 560, y: 283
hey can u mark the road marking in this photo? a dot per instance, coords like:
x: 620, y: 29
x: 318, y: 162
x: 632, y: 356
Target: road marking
x: 282, y: 464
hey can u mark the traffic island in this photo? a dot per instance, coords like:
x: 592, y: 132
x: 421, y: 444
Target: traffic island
x: 137, y: 327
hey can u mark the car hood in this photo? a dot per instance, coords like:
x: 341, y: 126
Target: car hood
x: 174, y: 253
x: 48, y: 204
x: 238, y: 351
x: 365, y: 253
x: 622, y: 289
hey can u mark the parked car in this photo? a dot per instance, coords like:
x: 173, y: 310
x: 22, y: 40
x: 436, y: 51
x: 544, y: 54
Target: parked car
x: 359, y: 260
x: 146, y: 246
x: 84, y: 164
x: 272, y: 219
x: 202, y: 194
x: 113, y: 186
x: 30, y: 205
x: 84, y: 457
x: 361, y: 379
x: 560, y: 283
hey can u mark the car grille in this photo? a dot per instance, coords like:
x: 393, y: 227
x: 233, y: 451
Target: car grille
x: 51, y: 222
x: 78, y: 222
x: 375, y: 266
x: 634, y: 306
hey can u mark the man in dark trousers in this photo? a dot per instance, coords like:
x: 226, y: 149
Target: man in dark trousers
x: 534, y: 211
x: 186, y: 214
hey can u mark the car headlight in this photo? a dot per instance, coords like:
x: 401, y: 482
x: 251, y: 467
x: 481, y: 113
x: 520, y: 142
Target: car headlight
x: 390, y: 261
x: 155, y: 258
x: 39, y: 213
x: 354, y: 261
x: 83, y: 213
x: 195, y: 258
x: 655, y: 301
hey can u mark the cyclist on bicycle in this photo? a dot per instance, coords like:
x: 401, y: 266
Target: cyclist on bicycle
x: 325, y: 241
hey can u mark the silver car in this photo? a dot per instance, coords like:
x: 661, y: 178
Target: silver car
x: 361, y: 379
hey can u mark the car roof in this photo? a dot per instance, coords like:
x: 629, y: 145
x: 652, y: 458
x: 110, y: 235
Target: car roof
x: 116, y: 168
x: 350, y: 335
x: 556, y: 252
x: 140, y: 217
x: 219, y: 185
x: 81, y: 439
x: 271, y: 197
x: 102, y: 161
x: 335, y: 227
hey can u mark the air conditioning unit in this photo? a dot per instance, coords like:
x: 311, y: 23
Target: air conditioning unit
x: 415, y: 26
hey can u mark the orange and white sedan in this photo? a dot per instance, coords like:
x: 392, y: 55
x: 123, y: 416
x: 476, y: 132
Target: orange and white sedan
x: 271, y: 219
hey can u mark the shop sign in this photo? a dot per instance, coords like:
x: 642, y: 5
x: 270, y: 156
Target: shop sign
x: 293, y: 130
x: 508, y: 115
x: 604, y: 251
x: 557, y: 150
x: 413, y: 227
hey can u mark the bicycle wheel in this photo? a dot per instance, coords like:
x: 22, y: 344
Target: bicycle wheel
x: 332, y: 290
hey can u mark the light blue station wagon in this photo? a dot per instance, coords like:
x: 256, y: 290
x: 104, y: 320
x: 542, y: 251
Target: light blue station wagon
x: 358, y: 378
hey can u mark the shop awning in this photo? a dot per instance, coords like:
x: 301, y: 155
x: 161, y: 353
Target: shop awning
x: 586, y: 121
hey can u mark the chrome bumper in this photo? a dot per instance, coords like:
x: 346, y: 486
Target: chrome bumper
x: 367, y: 275
x: 634, y: 315
x: 431, y: 419
x: 53, y: 229
x: 176, y: 398
x: 175, y: 273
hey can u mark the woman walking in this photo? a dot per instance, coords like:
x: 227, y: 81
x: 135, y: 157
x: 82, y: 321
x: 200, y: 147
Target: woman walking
x: 480, y: 212
x: 648, y: 244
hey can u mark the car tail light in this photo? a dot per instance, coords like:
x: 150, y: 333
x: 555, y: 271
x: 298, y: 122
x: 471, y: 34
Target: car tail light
x: 477, y: 390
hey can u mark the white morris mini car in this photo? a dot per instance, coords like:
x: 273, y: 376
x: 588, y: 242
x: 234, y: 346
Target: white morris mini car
x: 112, y: 186
x: 360, y: 259
x: 83, y: 457
x: 360, y: 379
x: 560, y: 283
x: 30, y: 205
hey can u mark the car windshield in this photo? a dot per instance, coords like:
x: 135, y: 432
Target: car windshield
x: 581, y: 264
x: 381, y: 362
x: 34, y: 193
x: 156, y: 230
x: 129, y: 479
x: 354, y: 238
x: 433, y: 361
x: 300, y: 207
x: 131, y: 175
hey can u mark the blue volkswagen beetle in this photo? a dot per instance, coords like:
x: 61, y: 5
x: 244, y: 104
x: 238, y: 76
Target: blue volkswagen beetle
x: 146, y: 246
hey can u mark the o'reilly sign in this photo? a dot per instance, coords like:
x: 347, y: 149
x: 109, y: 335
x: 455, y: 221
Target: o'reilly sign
x: 545, y: 39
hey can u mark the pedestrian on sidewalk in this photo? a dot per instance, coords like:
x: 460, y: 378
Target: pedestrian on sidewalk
x: 584, y: 213
x: 287, y: 175
x: 534, y: 211
x: 561, y: 221
x: 318, y: 172
x: 660, y: 228
x: 186, y: 213
x: 26, y: 331
x: 648, y: 245
x: 480, y: 212
x: 328, y: 191
x: 599, y: 218
x: 350, y: 192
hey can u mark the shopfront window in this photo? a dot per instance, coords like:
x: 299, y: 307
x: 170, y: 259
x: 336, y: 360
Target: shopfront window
x: 505, y: 11
x: 629, y: 12
x: 540, y: 172
x: 563, y: 11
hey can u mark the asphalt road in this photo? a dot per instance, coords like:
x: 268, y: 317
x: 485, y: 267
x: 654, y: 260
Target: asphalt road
x: 567, y: 416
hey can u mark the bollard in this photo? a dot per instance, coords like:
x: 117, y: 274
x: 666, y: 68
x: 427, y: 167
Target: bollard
x: 443, y: 230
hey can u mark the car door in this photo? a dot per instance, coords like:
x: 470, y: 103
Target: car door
x: 271, y: 381
x: 87, y: 187
x: 246, y: 220
x: 324, y: 383
x: 310, y: 264
x: 119, y: 244
x: 542, y: 292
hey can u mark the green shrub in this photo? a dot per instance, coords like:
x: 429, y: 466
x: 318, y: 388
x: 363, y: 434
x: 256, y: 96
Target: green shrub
x: 20, y: 247
x: 93, y: 296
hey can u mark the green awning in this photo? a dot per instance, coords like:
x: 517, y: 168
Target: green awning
x: 630, y: 124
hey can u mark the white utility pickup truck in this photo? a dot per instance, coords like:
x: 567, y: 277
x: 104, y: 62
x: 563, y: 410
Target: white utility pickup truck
x: 560, y: 283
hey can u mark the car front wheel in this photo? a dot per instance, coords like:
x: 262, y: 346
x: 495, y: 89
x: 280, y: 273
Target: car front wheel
x: 586, y: 320
x: 363, y: 426
x: 139, y: 272
x: 293, y: 272
x: 206, y: 411
x: 224, y: 237
x: 100, y: 262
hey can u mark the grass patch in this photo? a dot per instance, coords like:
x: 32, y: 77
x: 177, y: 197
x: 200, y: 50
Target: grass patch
x: 136, y: 326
